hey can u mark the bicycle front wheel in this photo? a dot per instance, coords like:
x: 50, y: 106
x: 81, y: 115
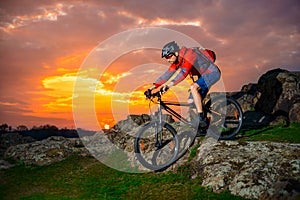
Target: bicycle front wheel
x: 227, y: 118
x: 156, y: 146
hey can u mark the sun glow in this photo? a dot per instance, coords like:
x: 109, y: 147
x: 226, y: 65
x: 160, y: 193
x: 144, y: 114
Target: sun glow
x: 106, y: 126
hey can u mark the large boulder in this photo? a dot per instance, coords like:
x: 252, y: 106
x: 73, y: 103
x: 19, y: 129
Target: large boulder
x: 294, y: 113
x: 277, y: 91
x: 246, y: 97
x: 274, y: 99
x: 132, y: 121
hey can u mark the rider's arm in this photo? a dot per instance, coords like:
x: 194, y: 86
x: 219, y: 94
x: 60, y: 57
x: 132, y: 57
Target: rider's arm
x: 165, y: 77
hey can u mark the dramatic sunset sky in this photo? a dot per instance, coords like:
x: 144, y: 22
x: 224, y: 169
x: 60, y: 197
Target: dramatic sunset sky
x: 44, y: 43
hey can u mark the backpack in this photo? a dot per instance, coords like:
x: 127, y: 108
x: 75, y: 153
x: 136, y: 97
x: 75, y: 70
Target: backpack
x: 205, y: 58
x: 210, y: 54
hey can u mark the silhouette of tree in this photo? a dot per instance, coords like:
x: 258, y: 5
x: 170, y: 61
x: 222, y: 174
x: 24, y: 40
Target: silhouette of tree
x: 4, y: 128
x: 22, y: 128
x: 49, y: 127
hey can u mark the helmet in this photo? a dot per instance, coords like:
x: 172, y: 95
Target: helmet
x: 169, y: 48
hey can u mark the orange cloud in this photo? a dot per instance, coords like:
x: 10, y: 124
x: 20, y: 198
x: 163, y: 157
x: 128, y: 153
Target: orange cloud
x: 110, y: 79
x: 165, y: 21
x: 60, y: 93
x: 70, y: 61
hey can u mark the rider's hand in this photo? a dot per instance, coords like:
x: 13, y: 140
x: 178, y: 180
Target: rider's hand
x: 147, y: 93
x: 164, y: 89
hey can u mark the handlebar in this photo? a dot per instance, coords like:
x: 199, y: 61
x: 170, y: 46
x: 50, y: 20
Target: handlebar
x: 150, y: 96
x: 156, y: 94
x: 159, y: 94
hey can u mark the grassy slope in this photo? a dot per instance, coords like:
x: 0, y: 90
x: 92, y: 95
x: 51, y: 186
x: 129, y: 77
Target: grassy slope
x: 86, y: 178
x: 279, y: 133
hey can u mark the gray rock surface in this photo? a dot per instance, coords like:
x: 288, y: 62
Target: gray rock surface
x: 274, y: 99
x: 278, y: 90
x: 45, y: 152
x: 294, y: 113
x: 250, y: 169
x: 12, y: 139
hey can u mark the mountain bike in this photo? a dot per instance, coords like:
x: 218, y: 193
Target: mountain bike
x: 157, y: 144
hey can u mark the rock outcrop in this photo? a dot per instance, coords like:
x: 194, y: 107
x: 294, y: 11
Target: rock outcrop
x: 250, y: 169
x: 45, y: 152
x: 278, y: 90
x: 275, y: 98
x: 12, y: 139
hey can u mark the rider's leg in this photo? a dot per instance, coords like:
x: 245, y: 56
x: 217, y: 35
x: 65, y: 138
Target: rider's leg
x: 196, y: 96
x: 203, y: 83
x: 198, y: 103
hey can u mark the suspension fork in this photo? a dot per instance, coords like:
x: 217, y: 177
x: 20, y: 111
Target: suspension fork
x: 159, y: 127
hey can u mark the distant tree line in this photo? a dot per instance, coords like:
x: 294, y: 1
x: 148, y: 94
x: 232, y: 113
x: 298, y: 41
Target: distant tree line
x: 43, y: 131
x: 5, y: 128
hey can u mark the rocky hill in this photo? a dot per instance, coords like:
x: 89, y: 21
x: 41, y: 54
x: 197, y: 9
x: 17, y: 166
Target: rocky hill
x: 255, y: 170
x: 275, y: 98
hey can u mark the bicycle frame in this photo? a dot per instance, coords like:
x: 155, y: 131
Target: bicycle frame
x: 164, y: 105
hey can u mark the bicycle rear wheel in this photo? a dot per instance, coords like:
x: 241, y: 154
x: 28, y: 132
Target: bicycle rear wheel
x: 156, y: 149
x: 227, y: 117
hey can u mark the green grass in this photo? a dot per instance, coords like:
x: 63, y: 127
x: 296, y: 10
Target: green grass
x: 279, y: 133
x: 87, y: 178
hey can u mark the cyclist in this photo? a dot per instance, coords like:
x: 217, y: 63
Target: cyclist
x: 193, y: 62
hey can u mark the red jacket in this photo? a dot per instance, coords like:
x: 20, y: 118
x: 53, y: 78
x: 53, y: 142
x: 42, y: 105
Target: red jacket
x: 190, y: 61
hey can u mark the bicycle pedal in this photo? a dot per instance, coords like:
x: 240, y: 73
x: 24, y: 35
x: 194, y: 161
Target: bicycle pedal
x: 201, y: 133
